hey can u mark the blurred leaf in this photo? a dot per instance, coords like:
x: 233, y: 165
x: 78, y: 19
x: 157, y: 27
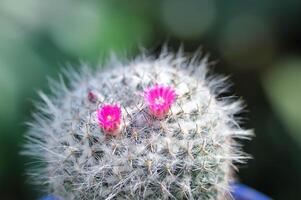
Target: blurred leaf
x: 282, y: 85
x: 22, y: 11
x: 9, y: 94
x: 89, y: 29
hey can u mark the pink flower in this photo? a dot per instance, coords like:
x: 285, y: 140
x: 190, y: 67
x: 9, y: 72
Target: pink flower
x: 109, y: 117
x: 159, y: 99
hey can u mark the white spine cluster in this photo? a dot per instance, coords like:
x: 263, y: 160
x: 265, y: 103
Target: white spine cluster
x: 190, y: 154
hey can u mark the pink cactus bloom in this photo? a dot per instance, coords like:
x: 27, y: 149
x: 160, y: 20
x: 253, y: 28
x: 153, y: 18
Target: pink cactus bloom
x: 159, y: 99
x: 109, y: 117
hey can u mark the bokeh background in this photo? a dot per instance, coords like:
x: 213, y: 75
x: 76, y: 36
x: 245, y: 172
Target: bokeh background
x: 256, y: 42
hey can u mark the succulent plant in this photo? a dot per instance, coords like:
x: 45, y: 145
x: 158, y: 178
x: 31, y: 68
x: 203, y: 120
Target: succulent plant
x: 152, y: 128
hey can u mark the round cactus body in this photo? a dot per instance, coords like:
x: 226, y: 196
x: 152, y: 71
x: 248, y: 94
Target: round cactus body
x: 147, y: 129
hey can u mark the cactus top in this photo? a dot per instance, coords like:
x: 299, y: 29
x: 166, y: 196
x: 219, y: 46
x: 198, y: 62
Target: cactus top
x: 176, y: 140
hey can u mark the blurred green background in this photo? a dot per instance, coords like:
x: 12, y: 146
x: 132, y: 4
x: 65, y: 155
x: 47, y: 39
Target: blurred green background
x: 257, y: 42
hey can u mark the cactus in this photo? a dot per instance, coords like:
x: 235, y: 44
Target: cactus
x: 188, y: 150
